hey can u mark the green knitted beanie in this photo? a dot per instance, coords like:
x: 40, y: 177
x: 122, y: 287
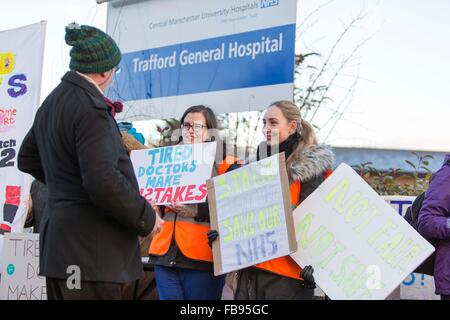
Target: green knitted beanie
x: 93, y: 50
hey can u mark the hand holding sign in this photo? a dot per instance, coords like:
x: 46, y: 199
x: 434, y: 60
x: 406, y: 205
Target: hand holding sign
x: 184, y: 210
x: 250, y: 209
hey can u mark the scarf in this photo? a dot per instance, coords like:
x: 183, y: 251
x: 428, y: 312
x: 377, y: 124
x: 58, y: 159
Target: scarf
x: 287, y: 146
x: 116, y: 106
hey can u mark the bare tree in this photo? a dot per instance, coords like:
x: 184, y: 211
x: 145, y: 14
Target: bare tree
x: 317, y: 75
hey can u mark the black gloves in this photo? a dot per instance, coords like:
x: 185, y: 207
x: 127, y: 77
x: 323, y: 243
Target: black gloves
x: 308, y: 278
x: 212, y: 235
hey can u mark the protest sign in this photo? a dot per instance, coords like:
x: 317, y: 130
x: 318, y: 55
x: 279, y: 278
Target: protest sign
x: 235, y: 55
x: 20, y: 86
x: 20, y: 268
x: 359, y: 246
x: 176, y: 173
x: 251, y: 209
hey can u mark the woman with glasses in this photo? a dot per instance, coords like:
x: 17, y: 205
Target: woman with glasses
x: 180, y: 252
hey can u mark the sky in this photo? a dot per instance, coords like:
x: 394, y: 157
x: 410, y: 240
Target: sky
x: 402, y: 100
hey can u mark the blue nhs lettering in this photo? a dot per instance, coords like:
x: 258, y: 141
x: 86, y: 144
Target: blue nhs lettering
x: 269, y: 3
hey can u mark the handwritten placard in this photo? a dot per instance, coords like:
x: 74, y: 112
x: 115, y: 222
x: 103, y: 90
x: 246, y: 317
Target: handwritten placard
x: 251, y: 210
x: 20, y: 268
x: 359, y: 246
x: 176, y: 173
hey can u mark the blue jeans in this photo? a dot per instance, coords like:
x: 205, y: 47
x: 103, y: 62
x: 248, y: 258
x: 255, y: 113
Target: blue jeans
x: 188, y: 284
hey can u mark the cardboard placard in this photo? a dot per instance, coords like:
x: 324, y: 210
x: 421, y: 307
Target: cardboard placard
x: 358, y: 244
x: 20, y: 87
x: 250, y: 207
x: 176, y: 173
x: 20, y: 268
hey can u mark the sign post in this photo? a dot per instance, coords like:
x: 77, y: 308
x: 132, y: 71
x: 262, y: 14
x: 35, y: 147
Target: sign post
x: 234, y: 55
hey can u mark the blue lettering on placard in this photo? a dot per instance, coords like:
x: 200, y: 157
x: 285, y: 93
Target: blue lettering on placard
x: 176, y: 180
x: 256, y: 248
x: 269, y: 3
x: 18, y: 87
x: 193, y: 166
x: 151, y: 182
x: 249, y: 59
x: 411, y: 281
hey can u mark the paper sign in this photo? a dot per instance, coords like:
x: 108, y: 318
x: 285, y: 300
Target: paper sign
x: 176, y: 173
x: 20, y: 268
x: 21, y: 60
x: 358, y: 244
x: 250, y: 208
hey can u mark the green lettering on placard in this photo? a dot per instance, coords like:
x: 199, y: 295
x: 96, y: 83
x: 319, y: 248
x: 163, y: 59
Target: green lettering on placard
x: 387, y: 247
x: 356, y: 210
x: 321, y: 245
x: 382, y: 231
x: 245, y: 181
x: 338, y: 191
x: 374, y: 213
x: 338, y: 248
x: 225, y: 188
x: 394, y: 256
x: 349, y: 204
x: 236, y: 228
x: 339, y: 278
x: 229, y: 236
x: 355, y: 280
x: 301, y: 230
x: 235, y: 175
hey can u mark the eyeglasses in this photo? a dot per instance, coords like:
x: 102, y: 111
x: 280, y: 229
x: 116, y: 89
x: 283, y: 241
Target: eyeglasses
x: 117, y: 69
x: 196, y: 126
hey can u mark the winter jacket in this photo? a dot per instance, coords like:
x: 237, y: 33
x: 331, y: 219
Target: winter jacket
x: 308, y: 165
x: 94, y: 212
x: 434, y: 222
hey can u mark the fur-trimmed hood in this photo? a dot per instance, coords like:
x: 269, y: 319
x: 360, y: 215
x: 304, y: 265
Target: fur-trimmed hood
x: 309, y: 162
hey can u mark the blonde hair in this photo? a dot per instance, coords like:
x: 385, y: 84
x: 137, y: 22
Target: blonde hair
x: 292, y: 113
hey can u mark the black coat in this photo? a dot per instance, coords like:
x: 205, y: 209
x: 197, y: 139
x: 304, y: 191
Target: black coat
x: 94, y: 212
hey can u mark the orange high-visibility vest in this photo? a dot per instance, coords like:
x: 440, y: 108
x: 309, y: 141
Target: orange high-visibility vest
x: 286, y: 266
x: 189, y: 235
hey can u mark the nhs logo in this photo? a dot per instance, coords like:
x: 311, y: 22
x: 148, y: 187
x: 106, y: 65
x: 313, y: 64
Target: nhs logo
x: 269, y: 3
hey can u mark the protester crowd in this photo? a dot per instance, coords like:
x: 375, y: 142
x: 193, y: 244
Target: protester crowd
x: 93, y: 215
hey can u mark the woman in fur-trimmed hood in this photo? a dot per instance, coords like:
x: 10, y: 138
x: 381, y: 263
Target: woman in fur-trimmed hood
x: 308, y: 164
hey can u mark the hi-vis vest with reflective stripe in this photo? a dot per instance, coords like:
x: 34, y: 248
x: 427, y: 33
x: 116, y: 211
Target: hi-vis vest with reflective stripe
x: 189, y: 235
x: 286, y: 266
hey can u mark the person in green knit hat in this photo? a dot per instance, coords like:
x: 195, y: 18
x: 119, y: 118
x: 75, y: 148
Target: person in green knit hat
x: 94, y: 54
x: 94, y: 215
